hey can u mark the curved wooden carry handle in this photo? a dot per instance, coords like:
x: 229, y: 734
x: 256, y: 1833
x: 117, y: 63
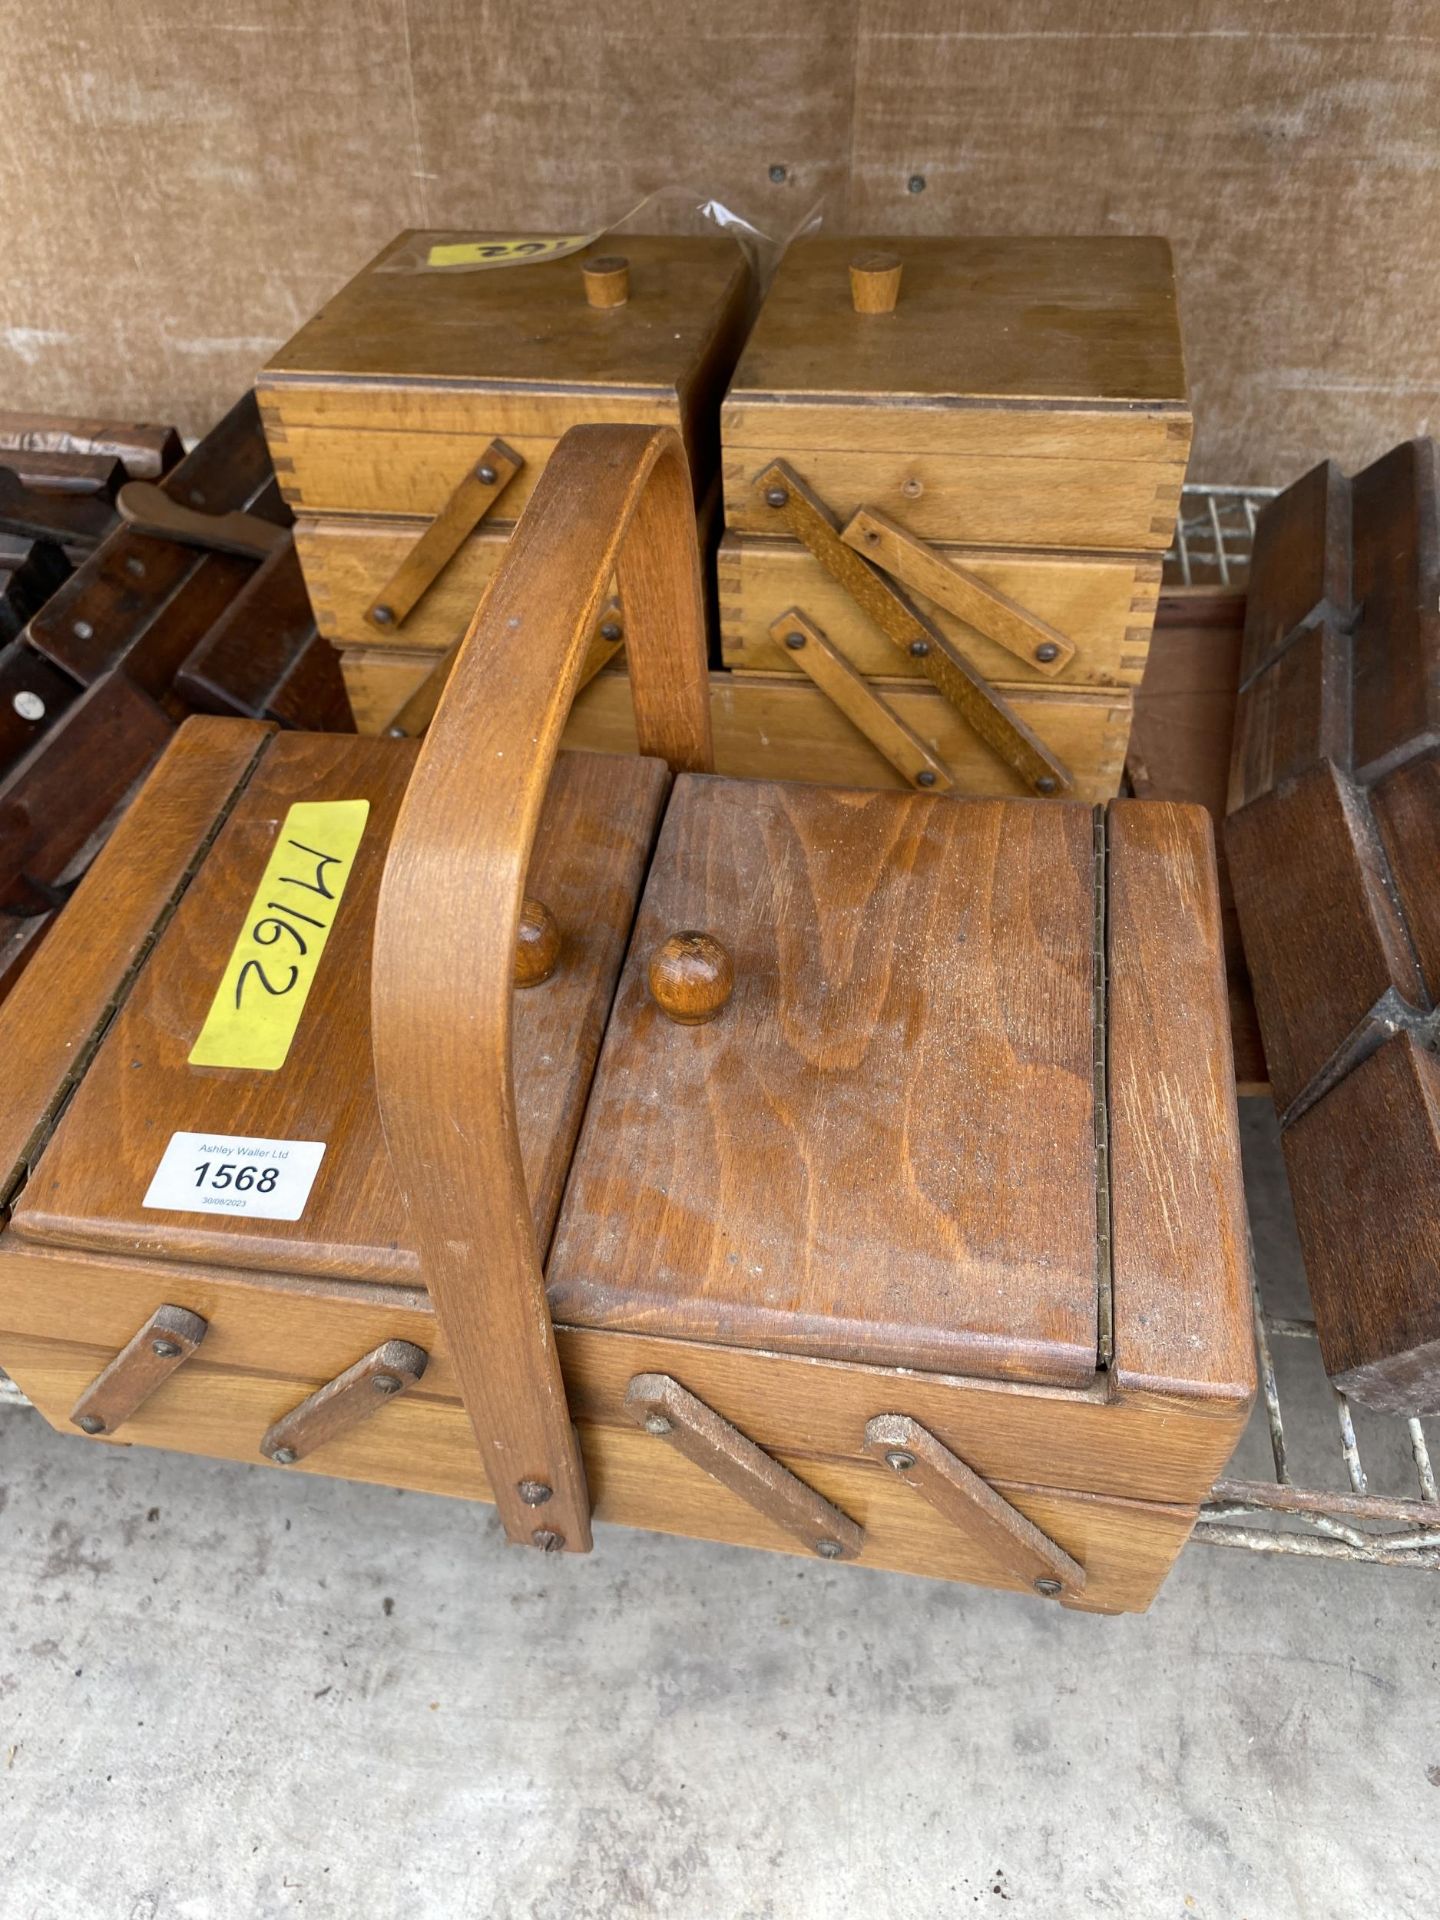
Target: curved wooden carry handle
x: 612, y: 501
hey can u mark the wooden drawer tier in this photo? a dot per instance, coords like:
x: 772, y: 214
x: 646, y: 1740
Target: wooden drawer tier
x: 380, y: 404
x: 347, y: 559
x: 1115, y: 1478
x: 1022, y: 393
x: 1103, y: 604
x: 778, y: 727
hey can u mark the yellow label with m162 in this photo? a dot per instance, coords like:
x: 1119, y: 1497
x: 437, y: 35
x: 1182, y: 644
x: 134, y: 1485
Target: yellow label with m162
x: 257, y: 1006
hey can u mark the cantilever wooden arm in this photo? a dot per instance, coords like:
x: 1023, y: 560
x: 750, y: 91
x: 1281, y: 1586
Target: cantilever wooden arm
x: 612, y: 502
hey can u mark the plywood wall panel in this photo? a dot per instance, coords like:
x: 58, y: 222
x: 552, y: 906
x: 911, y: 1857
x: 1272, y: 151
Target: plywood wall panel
x: 557, y: 114
x: 182, y: 185
x: 183, y: 181
x: 1290, y: 150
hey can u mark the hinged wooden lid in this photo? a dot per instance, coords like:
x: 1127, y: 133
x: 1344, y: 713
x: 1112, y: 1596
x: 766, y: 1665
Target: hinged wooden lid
x: 89, y: 1187
x: 883, y: 1149
x: 522, y: 326
x: 1078, y: 321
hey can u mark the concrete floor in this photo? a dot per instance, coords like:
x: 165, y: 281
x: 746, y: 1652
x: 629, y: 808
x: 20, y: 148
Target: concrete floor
x: 228, y: 1693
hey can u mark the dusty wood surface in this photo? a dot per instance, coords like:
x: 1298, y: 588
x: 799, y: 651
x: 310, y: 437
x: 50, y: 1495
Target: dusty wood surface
x: 1179, y: 1253
x: 910, y: 1029
x: 1364, y: 1166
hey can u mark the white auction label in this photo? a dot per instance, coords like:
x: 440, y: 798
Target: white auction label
x: 229, y: 1173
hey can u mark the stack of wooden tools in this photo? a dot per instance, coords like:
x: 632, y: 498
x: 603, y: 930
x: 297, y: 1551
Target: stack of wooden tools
x: 1335, y: 783
x: 187, y: 598
x: 996, y: 426
x: 411, y: 418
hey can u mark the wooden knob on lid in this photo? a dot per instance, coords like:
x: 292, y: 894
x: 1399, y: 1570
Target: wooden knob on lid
x: 537, y: 945
x: 607, y: 280
x: 691, y: 978
x: 875, y: 282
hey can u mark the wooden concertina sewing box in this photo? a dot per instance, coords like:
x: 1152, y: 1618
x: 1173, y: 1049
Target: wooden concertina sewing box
x: 853, y: 1174
x: 410, y: 419
x: 960, y: 460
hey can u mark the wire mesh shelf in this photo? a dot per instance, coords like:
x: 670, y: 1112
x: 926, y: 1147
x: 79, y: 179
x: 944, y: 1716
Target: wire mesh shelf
x: 1214, y: 535
x: 1378, y: 1529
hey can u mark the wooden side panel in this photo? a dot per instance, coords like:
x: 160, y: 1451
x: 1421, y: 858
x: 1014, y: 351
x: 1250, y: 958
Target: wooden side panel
x: 1104, y: 607
x: 1323, y: 931
x: 70, y: 782
x: 999, y: 500
x: 1407, y: 815
x: 384, y: 471
x: 1180, y: 750
x: 1179, y: 1249
x: 379, y: 681
x: 347, y: 560
x: 1364, y: 1165
x: 878, y: 408
x: 1293, y: 716
x: 1300, y: 563
x: 54, y: 1009
x: 779, y: 727
x: 772, y: 726
x: 1397, y: 595
x: 262, y: 657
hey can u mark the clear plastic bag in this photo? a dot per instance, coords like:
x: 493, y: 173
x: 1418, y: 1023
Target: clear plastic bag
x: 670, y: 210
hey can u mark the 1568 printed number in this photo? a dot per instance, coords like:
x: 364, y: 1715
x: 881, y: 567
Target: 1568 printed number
x: 225, y: 1173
